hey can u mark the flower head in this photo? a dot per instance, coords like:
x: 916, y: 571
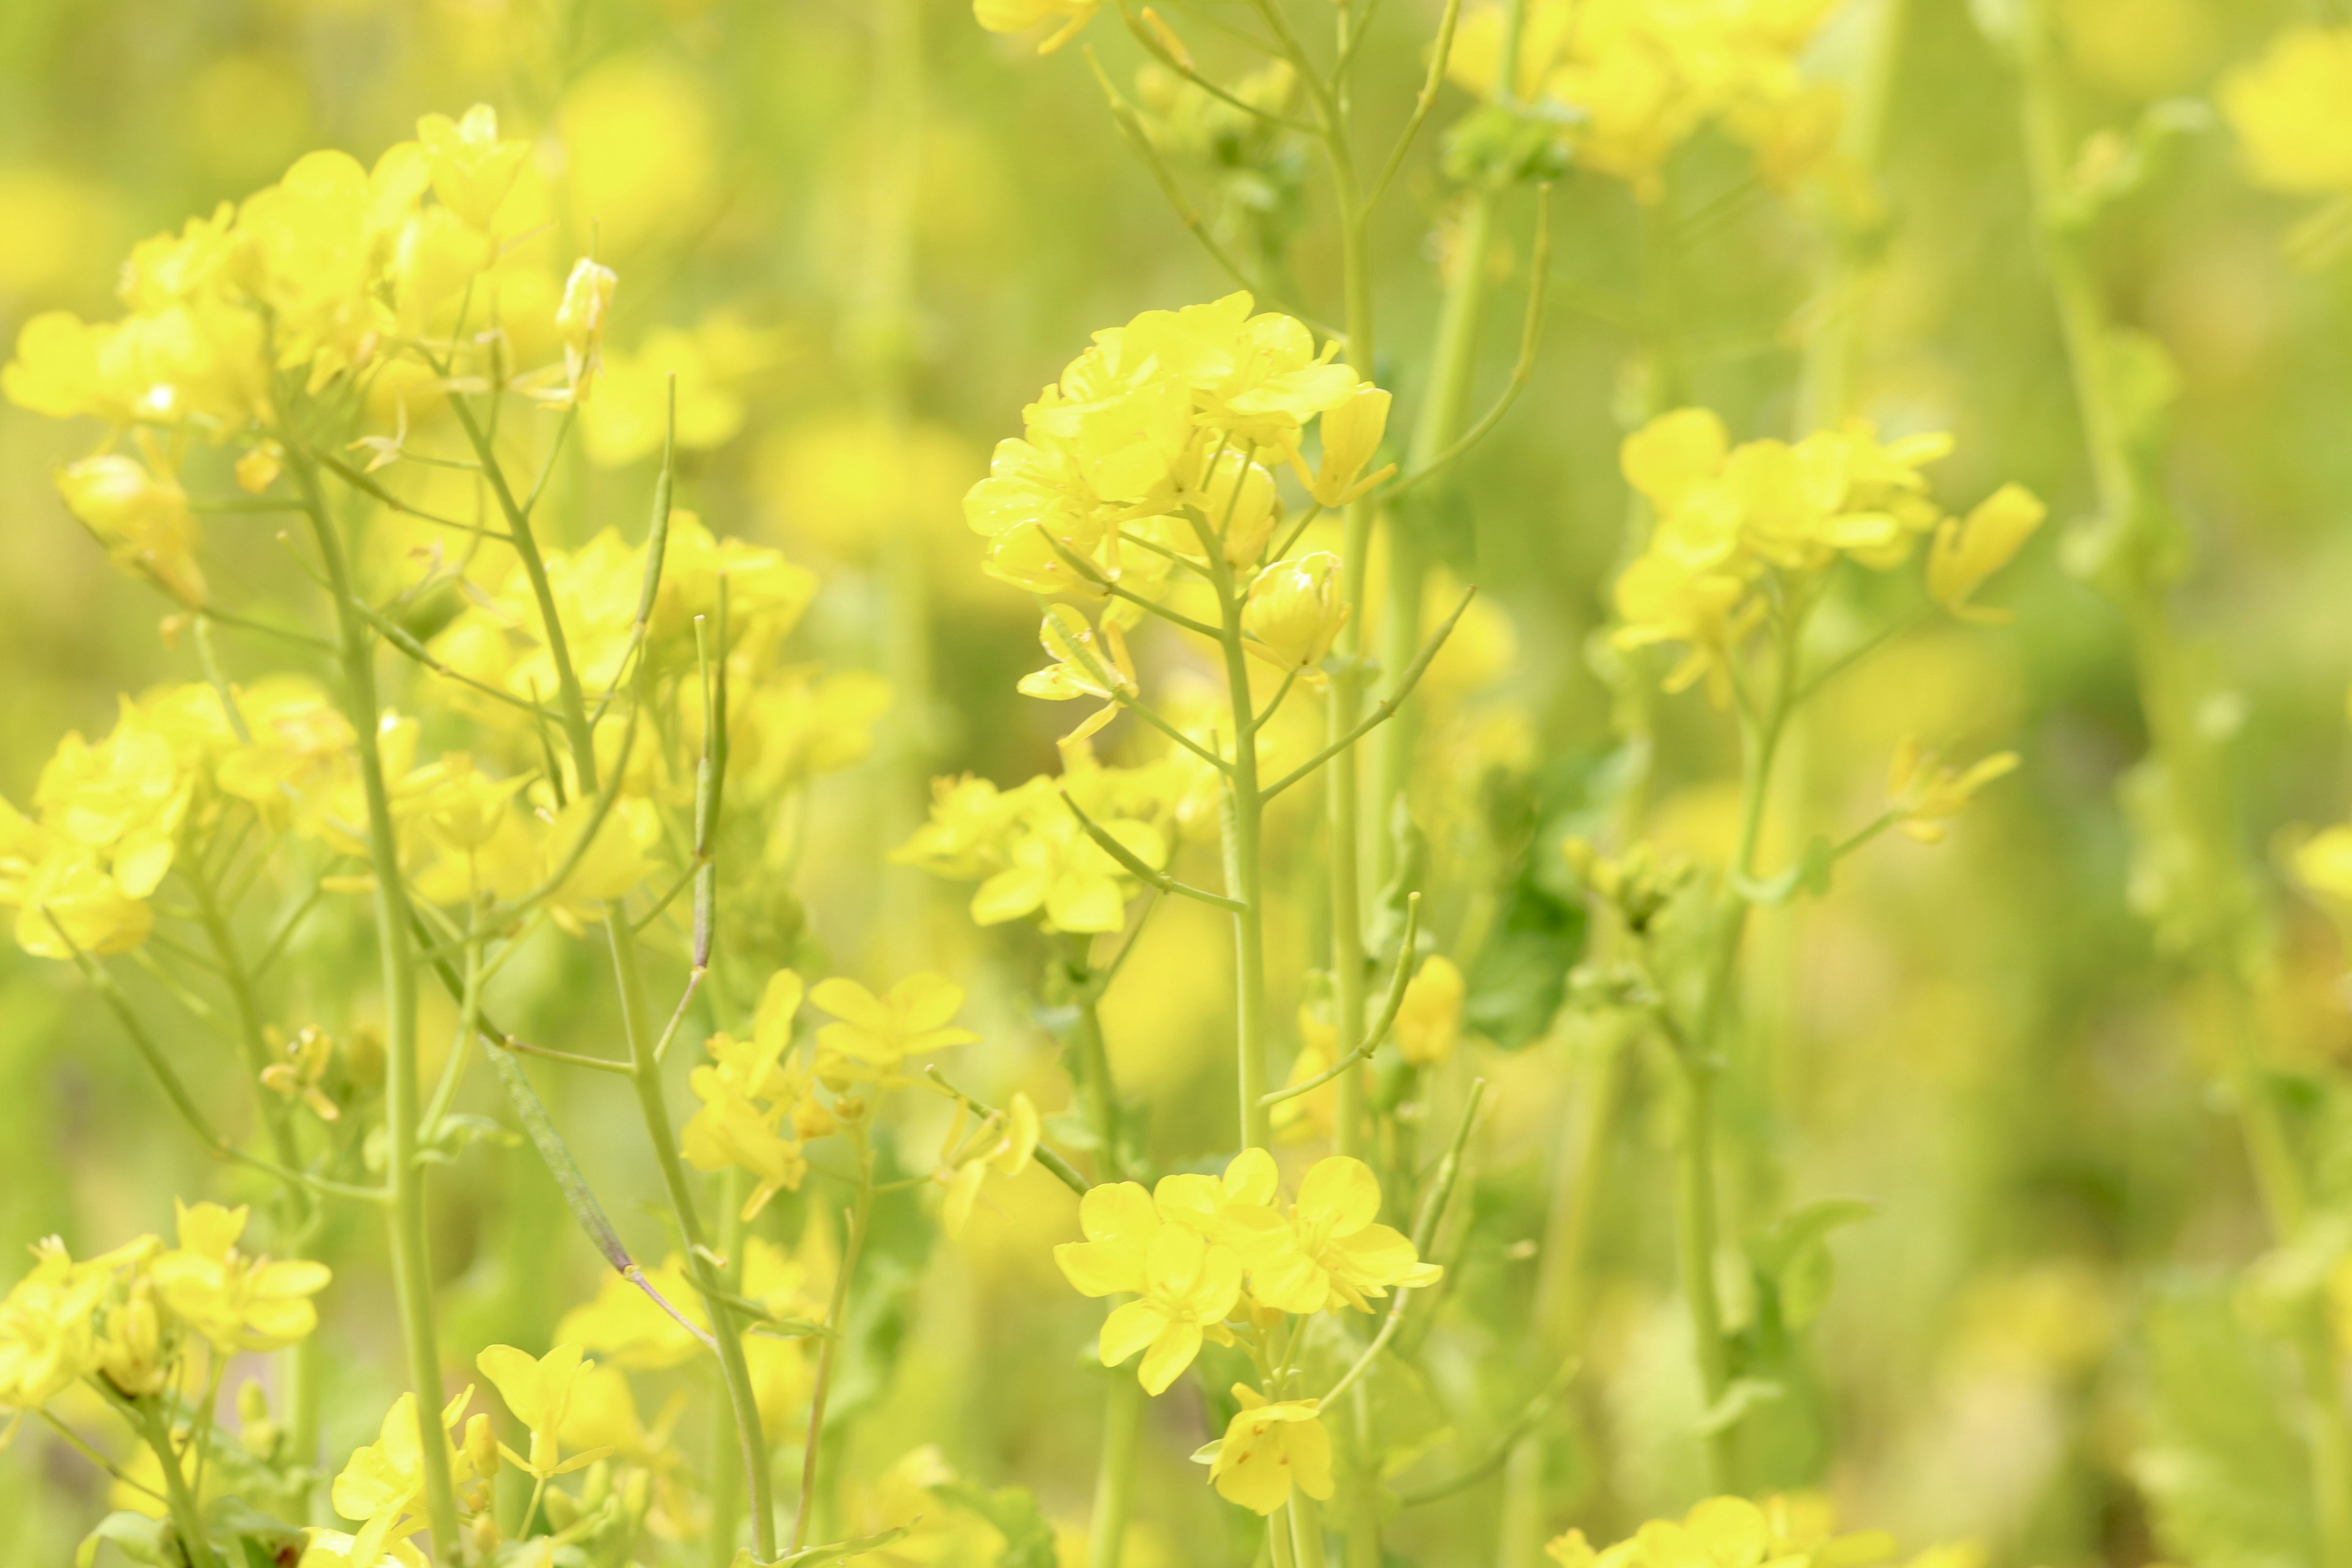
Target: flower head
x: 1325, y: 1251
x: 1186, y: 1283
x: 875, y: 1035
x: 1268, y: 1448
x: 237, y: 1301
x: 1968, y: 551
x: 1924, y: 797
x: 539, y: 1394
x: 1294, y: 611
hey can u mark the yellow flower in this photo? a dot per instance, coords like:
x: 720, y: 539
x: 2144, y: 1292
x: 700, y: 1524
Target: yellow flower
x: 1054, y: 872
x: 964, y: 836
x: 1020, y: 15
x: 2287, y: 109
x: 1268, y: 1449
x: 1204, y: 1204
x: 2324, y: 863
x: 47, y: 1338
x: 877, y: 1035
x: 1967, y: 551
x: 587, y: 298
x: 1241, y: 505
x: 472, y: 170
x: 383, y: 1481
x: 1004, y: 1144
x: 239, y: 1302
x: 143, y: 521
x: 1186, y: 1283
x: 624, y: 1325
x: 1429, y: 1020
x: 537, y: 1393
x: 1084, y: 666
x: 1924, y: 797
x: 1351, y: 438
x: 1326, y: 1252
x: 733, y: 1127
x: 1294, y: 610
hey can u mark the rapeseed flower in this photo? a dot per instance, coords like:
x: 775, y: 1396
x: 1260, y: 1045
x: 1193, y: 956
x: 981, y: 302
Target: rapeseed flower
x: 1325, y: 1251
x: 237, y: 1301
x: 873, y: 1034
x: 1270, y: 1447
x: 2287, y: 109
x: 539, y: 1394
x: 1186, y: 1284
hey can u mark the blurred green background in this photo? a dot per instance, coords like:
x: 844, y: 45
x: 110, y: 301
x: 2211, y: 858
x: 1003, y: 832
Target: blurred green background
x: 1982, y: 1038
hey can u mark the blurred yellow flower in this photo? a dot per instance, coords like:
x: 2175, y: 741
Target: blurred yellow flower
x: 874, y: 1036
x: 537, y: 1393
x: 1968, y: 551
x: 1924, y: 797
x: 239, y: 1302
x: 1429, y: 1021
x: 1021, y: 15
x: 143, y: 521
x: 2287, y: 109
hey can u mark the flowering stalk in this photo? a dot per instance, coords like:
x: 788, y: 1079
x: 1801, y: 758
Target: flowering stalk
x: 645, y: 1046
x: 412, y: 1267
x: 2231, y: 947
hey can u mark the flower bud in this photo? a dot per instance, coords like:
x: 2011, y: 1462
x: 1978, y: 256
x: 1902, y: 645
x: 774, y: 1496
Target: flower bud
x: 259, y: 467
x: 587, y: 298
x: 1296, y: 609
x: 1241, y: 505
x: 143, y: 521
x: 1968, y: 551
x: 1351, y: 438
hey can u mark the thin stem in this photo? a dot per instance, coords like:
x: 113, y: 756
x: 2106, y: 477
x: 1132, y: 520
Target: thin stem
x: 412, y: 1265
x: 854, y: 1241
x: 186, y: 1510
x: 1522, y: 370
x: 1381, y: 714
x: 1141, y: 868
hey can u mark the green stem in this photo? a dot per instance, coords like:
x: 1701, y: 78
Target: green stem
x: 1244, y: 815
x: 1115, y: 1474
x: 186, y: 1509
x: 412, y: 1265
x: 726, y: 1477
x: 1123, y: 1401
x: 837, y: 1316
x: 653, y: 1106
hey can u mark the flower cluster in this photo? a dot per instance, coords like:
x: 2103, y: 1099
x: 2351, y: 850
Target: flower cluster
x: 1214, y: 1258
x: 1641, y: 78
x: 1161, y: 442
x: 1031, y: 854
x: 403, y: 279
x: 130, y: 1316
x: 1729, y: 519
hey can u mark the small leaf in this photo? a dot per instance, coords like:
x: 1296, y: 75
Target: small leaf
x: 136, y: 1536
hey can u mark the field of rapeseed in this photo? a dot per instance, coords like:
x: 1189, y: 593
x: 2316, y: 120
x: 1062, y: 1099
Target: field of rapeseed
x: 1230, y: 784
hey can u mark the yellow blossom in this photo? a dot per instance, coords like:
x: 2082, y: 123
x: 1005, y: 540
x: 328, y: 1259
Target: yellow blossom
x: 384, y: 1481
x: 1351, y: 438
x: 237, y: 1301
x: 874, y: 1036
x: 1004, y: 1144
x: 1084, y: 666
x: 1021, y: 15
x: 1294, y: 611
x: 2287, y: 109
x: 1186, y: 1284
x: 472, y: 170
x: 1924, y: 797
x: 143, y: 521
x: 1967, y: 551
x: 1269, y: 1448
x: 1429, y: 1020
x: 537, y: 1393
x: 1325, y: 1251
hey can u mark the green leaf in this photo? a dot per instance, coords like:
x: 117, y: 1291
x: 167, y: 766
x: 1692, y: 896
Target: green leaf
x: 2225, y: 1476
x: 1792, y: 1260
x: 136, y: 1536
